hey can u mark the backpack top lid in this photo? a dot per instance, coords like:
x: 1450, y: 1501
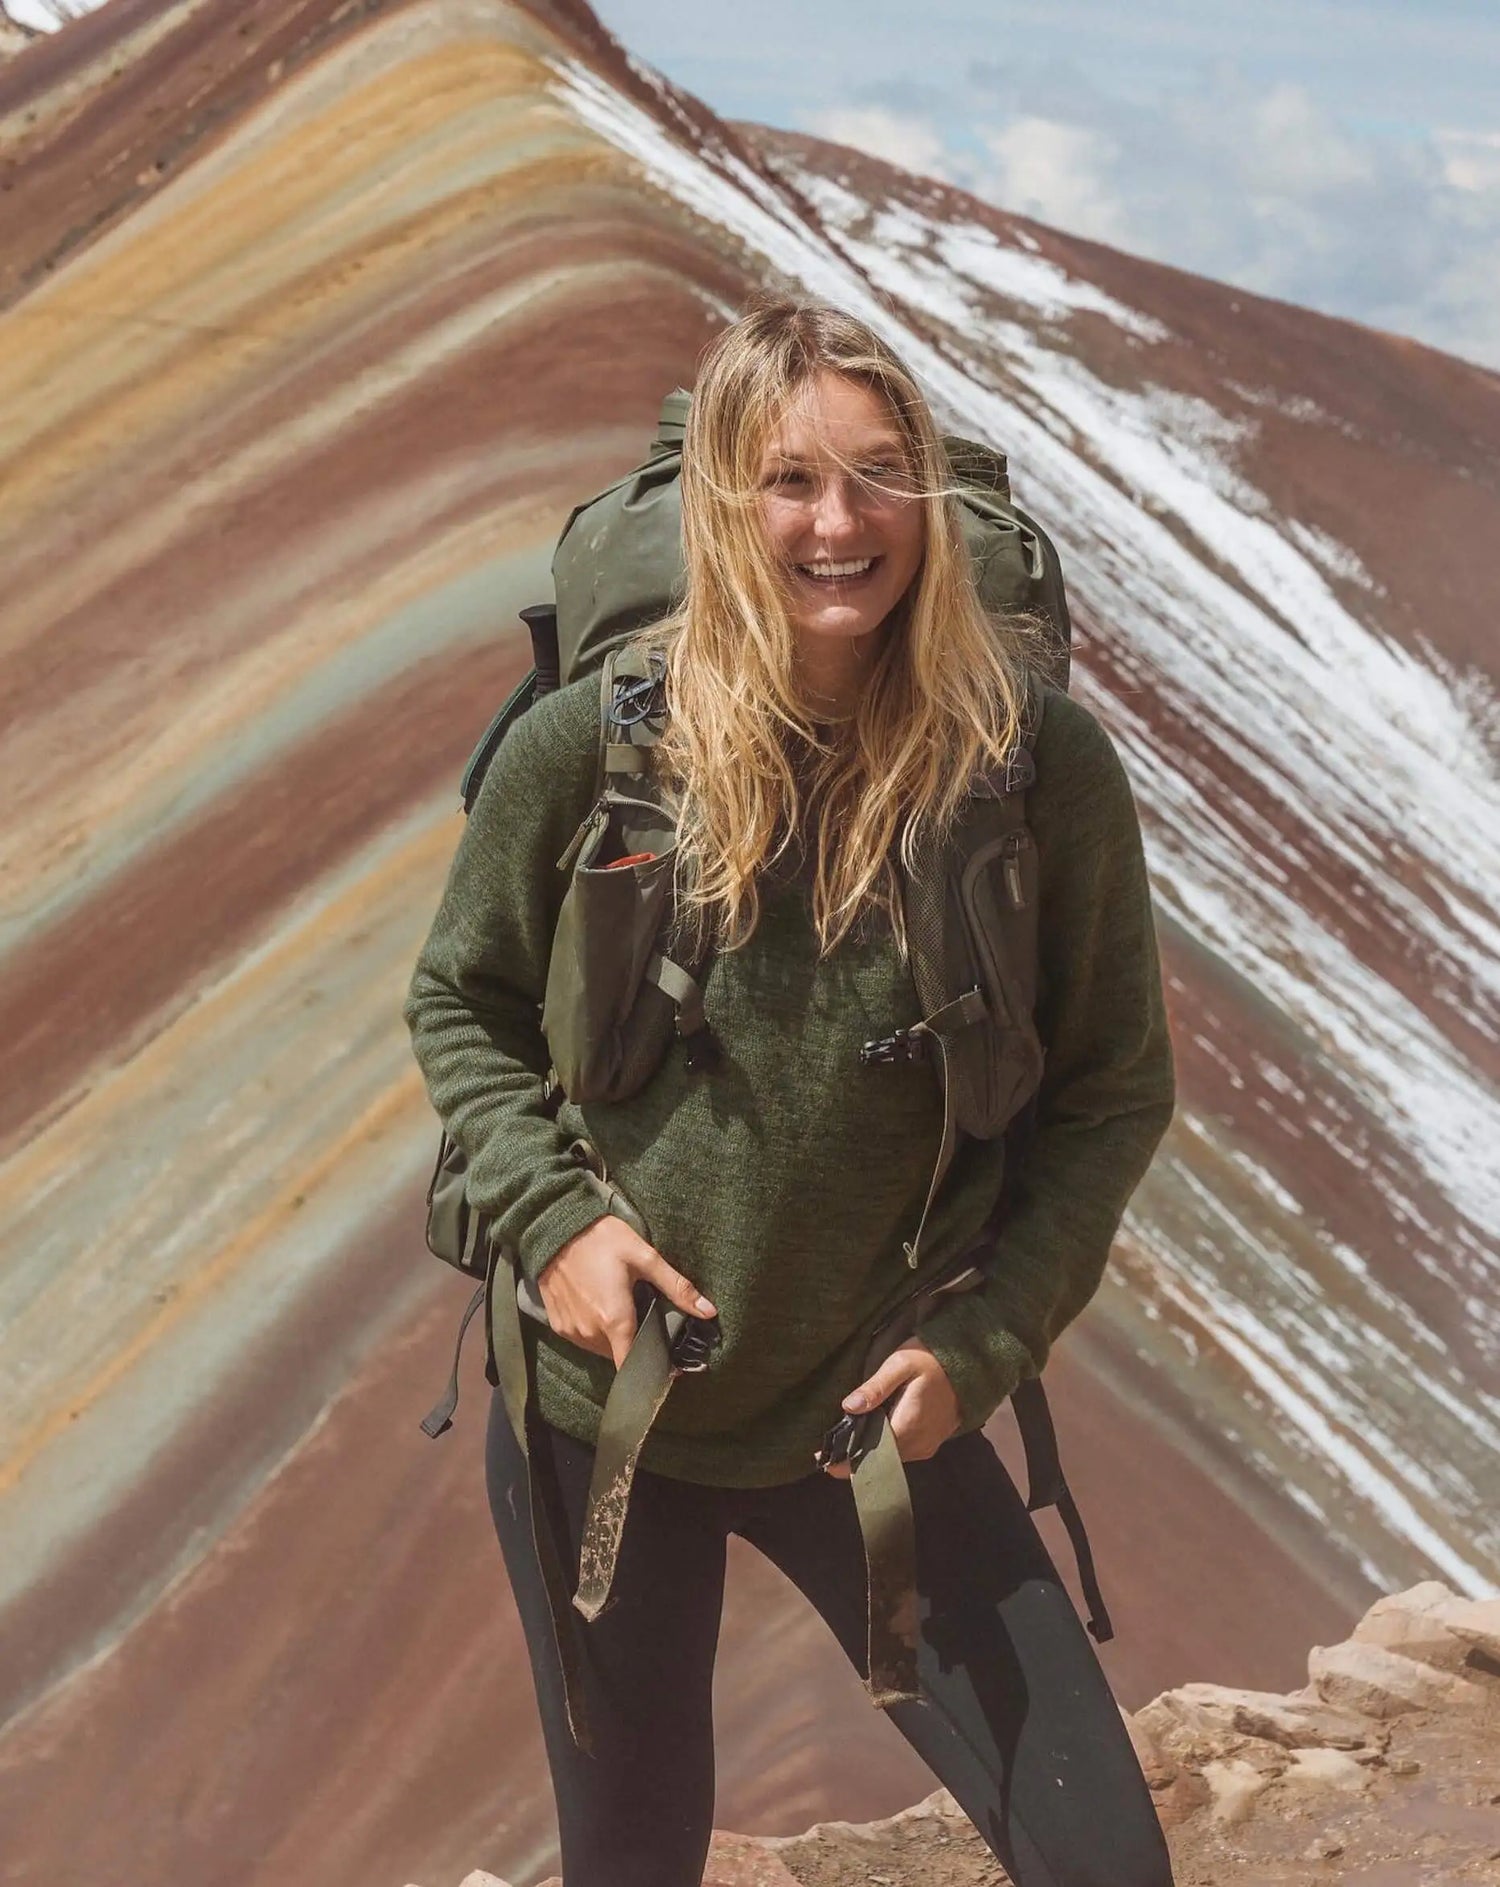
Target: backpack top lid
x: 618, y: 564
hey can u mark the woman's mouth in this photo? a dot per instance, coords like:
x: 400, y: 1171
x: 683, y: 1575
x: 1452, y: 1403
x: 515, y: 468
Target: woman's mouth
x: 845, y: 575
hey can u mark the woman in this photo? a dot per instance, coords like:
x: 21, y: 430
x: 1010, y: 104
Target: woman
x: 834, y: 687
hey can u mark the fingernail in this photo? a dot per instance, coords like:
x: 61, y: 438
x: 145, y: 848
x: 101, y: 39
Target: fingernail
x: 855, y: 1403
x: 705, y: 1309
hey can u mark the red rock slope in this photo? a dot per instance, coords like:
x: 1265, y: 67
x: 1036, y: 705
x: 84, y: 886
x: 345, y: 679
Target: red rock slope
x: 315, y: 320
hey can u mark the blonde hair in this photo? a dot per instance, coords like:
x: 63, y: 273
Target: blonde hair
x: 944, y: 697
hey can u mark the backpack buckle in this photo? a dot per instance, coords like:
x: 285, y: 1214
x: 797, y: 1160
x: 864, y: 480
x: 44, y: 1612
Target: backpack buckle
x: 695, y: 1344
x: 847, y: 1440
x: 902, y: 1046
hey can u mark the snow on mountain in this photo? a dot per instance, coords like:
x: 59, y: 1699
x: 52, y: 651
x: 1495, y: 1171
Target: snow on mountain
x: 47, y: 16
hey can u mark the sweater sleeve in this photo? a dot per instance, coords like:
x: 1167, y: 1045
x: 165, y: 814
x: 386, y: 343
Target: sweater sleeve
x: 1107, y: 1091
x: 474, y: 1004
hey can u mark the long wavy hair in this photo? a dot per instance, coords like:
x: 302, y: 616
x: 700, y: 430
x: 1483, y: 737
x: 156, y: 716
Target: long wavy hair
x: 743, y: 754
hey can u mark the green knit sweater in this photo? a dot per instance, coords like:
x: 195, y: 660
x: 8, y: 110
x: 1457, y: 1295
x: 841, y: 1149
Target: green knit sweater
x: 784, y: 1181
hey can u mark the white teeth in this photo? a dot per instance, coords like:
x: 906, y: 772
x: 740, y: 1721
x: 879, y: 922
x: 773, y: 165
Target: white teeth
x: 836, y: 569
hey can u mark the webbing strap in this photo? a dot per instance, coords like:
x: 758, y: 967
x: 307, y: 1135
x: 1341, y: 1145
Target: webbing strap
x: 955, y: 1015
x: 621, y: 756
x: 1044, y: 1477
x: 623, y: 672
x: 1047, y: 1487
x: 684, y: 990
x: 512, y: 1362
x: 634, y: 1401
x: 882, y: 1500
x: 635, y: 1397
x: 440, y: 1416
x: 514, y: 1366
x: 958, y: 1014
x: 1088, y: 1578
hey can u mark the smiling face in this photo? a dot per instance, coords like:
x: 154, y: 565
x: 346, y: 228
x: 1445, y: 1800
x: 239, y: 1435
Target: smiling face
x: 841, y: 512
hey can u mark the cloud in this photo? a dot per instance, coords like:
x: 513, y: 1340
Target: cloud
x: 1297, y: 148
x: 1058, y: 173
x: 1471, y: 159
x: 1259, y: 185
x: 899, y: 137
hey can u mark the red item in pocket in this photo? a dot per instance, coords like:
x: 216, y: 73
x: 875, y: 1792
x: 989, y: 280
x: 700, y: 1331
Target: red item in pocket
x: 635, y: 858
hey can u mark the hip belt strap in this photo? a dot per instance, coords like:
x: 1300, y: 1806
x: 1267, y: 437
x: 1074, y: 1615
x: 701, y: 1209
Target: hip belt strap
x: 632, y: 1406
x: 882, y: 1501
x: 512, y: 1352
x: 635, y: 1398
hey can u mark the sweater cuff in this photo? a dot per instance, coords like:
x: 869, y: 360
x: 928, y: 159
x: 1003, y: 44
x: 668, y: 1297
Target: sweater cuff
x: 555, y: 1224
x: 981, y: 1359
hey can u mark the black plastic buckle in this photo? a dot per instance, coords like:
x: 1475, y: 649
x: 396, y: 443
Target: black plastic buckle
x: 902, y: 1046
x: 698, y: 1338
x: 845, y: 1441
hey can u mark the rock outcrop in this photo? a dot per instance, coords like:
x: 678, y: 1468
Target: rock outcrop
x: 1388, y: 1758
x: 1382, y: 1770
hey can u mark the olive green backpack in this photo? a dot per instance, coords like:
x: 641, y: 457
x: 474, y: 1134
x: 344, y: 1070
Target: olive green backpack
x: 623, y: 985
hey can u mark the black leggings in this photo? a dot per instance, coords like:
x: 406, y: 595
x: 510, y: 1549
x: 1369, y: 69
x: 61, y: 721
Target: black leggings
x: 1017, y: 1719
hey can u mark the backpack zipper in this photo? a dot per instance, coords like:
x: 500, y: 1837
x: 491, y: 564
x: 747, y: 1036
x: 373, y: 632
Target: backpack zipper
x: 596, y: 818
x: 1013, y: 845
x: 1008, y: 849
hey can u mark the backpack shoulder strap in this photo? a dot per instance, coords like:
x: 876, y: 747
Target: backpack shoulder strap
x: 978, y: 1027
x: 1001, y: 792
x: 632, y: 718
x: 518, y: 702
x: 1005, y: 792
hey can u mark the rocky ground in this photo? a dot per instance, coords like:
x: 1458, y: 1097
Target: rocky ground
x: 1382, y: 1771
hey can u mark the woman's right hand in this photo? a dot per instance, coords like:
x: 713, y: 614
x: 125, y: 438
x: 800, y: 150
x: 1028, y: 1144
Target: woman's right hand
x: 589, y: 1285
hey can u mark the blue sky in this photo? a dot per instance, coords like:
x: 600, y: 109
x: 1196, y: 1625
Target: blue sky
x: 1346, y: 156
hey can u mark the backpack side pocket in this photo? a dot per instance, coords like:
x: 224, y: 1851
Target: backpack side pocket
x: 608, y: 1025
x: 997, y: 897
x: 456, y: 1232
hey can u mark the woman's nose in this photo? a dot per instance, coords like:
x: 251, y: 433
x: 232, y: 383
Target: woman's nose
x: 837, y: 513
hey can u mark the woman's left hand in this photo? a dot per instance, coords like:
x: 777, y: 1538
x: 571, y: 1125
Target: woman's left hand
x: 925, y: 1413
